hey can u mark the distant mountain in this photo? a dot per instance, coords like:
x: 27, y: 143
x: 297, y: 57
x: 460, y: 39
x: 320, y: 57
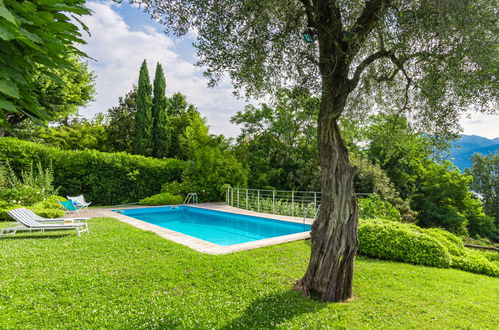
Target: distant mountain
x: 463, y: 148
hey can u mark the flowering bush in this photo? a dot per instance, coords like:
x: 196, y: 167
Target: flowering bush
x: 33, y: 189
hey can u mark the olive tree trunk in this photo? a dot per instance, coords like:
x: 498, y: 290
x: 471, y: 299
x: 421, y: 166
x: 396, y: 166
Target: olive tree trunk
x: 334, y: 233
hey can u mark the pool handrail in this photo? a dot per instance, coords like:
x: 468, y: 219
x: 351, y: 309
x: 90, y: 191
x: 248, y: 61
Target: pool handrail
x: 191, y: 197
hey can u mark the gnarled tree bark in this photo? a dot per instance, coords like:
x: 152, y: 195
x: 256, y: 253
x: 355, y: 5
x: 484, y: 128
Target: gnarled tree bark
x: 334, y: 233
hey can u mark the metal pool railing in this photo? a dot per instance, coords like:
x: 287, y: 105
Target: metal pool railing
x: 282, y: 202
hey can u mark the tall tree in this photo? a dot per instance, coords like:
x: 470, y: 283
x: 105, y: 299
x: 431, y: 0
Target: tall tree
x: 485, y: 172
x: 35, y: 39
x: 142, y: 142
x: 120, y: 131
x: 182, y: 114
x: 160, y: 122
x: 427, y: 52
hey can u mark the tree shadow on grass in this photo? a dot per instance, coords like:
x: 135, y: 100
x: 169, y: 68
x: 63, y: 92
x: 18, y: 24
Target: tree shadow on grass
x: 274, y: 309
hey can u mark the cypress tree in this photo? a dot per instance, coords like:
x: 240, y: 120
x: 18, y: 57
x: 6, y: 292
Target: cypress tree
x: 142, y: 143
x: 161, y: 123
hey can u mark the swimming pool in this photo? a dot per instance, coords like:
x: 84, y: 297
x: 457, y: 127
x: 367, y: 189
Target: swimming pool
x: 221, y: 228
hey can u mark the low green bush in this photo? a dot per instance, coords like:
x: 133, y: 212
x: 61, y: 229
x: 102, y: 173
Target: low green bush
x: 162, y: 199
x: 396, y: 241
x: 491, y: 255
x: 48, y: 213
x: 42, y: 209
x: 431, y: 247
x: 104, y: 178
x: 474, y: 262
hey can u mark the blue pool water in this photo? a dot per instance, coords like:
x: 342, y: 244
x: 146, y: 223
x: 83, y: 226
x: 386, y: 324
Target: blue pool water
x: 221, y: 228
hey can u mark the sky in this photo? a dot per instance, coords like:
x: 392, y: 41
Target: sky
x: 122, y: 36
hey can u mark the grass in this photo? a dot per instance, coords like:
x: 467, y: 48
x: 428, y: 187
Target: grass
x: 122, y: 277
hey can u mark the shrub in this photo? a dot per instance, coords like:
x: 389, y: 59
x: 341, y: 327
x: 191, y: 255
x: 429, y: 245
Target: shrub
x: 397, y: 241
x: 373, y: 207
x: 175, y: 188
x: 431, y: 247
x: 104, y: 178
x: 475, y: 262
x: 162, y: 199
x: 27, y: 188
x: 48, y: 208
x: 50, y: 202
x: 4, y: 208
x: 48, y: 213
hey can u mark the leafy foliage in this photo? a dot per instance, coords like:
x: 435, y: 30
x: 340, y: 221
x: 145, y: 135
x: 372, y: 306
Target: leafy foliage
x: 175, y: 188
x: 373, y: 207
x: 142, y: 141
x: 182, y: 115
x: 438, y: 192
x: 210, y: 165
x: 79, y: 134
x: 485, y: 173
x: 278, y: 141
x: 121, y: 127
x: 161, y: 130
x: 163, y: 198
x: 371, y: 178
x: 443, y: 198
x: 432, y: 247
x: 58, y: 98
x: 35, y: 37
x: 32, y: 188
x: 104, y: 178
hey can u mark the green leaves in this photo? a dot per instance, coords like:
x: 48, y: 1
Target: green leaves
x: 409, y: 243
x: 8, y: 88
x: 35, y: 38
x: 5, y: 13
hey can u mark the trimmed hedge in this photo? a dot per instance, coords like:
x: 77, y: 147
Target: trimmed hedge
x: 104, y: 178
x: 431, y: 247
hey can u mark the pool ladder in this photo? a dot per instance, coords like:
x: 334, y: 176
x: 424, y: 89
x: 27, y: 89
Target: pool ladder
x: 316, y: 213
x: 191, y: 197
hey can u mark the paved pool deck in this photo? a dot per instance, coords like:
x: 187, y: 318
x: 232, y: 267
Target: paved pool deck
x: 196, y: 243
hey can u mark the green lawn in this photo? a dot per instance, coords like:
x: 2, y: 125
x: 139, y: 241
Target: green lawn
x: 122, y: 277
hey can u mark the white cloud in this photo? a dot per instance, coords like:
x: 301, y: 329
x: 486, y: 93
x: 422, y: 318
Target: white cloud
x: 482, y: 125
x: 119, y: 51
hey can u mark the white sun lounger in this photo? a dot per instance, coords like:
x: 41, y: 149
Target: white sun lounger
x: 30, y: 214
x: 26, y: 222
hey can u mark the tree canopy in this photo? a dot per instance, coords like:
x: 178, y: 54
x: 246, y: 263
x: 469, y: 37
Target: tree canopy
x: 427, y: 58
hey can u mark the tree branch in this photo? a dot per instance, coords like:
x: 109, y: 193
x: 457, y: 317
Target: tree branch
x: 364, y: 24
x: 309, y: 10
x: 364, y: 64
